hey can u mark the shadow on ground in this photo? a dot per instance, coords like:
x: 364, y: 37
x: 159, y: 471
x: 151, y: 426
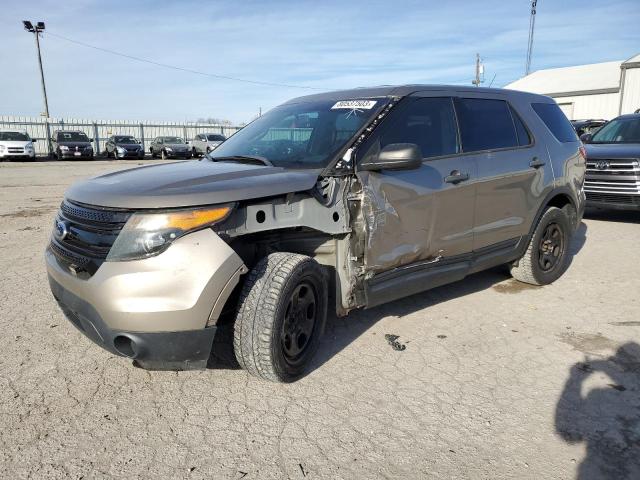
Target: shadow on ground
x: 607, y: 419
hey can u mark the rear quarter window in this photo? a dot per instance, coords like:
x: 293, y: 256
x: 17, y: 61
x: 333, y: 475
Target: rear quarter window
x: 556, y: 121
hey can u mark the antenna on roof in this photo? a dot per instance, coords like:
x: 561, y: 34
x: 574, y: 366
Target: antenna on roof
x: 532, y: 24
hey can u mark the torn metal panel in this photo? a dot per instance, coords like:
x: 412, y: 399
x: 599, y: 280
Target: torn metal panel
x: 414, y: 215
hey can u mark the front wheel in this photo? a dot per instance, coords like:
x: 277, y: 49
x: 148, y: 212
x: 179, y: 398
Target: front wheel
x: 546, y: 257
x: 281, y: 316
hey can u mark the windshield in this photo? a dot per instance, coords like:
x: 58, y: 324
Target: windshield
x: 14, y: 136
x: 620, y: 130
x: 125, y: 139
x: 72, y: 137
x: 172, y: 140
x: 301, y: 135
x: 216, y: 138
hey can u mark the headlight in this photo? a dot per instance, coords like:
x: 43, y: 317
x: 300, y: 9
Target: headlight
x: 64, y: 148
x: 121, y: 150
x: 2, y: 148
x: 148, y: 234
x: 88, y: 148
x: 168, y: 149
x: 28, y: 146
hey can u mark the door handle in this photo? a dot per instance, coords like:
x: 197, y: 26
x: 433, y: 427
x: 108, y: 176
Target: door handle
x: 456, y: 177
x: 537, y: 163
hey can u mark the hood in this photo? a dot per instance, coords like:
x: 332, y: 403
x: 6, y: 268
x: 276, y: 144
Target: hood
x: 177, y: 146
x: 612, y: 150
x: 184, y: 184
x: 15, y: 143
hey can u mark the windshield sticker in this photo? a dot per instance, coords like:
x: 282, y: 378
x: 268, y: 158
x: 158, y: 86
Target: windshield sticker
x: 355, y: 104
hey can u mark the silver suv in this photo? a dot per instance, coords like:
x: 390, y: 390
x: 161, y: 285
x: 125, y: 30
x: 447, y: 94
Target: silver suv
x: 206, y: 142
x: 327, y: 203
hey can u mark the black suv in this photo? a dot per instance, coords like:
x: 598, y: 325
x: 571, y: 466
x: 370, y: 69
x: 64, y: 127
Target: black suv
x: 124, y: 146
x: 613, y: 164
x: 587, y: 126
x: 71, y: 144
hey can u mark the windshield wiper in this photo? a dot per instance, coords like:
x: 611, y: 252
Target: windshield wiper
x: 254, y: 160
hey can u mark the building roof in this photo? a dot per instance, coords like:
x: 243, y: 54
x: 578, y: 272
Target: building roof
x: 581, y: 79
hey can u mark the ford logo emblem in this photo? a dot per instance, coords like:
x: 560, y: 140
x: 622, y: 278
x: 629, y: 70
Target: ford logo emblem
x: 602, y: 164
x: 60, y: 230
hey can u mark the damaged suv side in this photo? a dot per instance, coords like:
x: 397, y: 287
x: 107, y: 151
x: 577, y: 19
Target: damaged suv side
x: 334, y: 201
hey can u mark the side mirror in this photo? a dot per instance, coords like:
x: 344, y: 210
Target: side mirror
x: 586, y: 137
x: 91, y: 139
x: 33, y: 140
x: 187, y: 142
x: 396, y: 156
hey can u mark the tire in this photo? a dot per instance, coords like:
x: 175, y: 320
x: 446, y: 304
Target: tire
x: 547, y: 253
x: 153, y: 155
x: 281, y: 316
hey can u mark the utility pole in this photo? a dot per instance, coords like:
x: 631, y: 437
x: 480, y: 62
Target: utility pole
x: 39, y: 27
x: 479, y: 78
x: 532, y: 24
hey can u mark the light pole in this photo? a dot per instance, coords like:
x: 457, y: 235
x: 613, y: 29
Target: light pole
x: 39, y: 27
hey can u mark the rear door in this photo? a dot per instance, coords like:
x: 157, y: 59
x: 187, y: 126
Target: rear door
x: 512, y: 168
x: 424, y: 214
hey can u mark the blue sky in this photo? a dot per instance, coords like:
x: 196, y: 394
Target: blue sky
x: 320, y: 44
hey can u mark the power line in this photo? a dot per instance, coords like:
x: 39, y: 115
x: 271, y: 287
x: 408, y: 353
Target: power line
x: 181, y: 69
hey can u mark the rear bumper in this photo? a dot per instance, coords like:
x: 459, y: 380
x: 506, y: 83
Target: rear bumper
x: 179, y: 350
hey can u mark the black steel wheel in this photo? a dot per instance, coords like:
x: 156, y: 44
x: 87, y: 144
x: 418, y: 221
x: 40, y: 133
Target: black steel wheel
x: 281, y: 316
x: 545, y: 259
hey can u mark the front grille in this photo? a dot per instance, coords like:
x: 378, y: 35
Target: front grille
x: 91, y: 232
x: 16, y: 149
x: 614, y: 176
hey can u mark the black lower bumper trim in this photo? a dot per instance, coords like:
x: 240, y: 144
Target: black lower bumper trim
x: 180, y: 350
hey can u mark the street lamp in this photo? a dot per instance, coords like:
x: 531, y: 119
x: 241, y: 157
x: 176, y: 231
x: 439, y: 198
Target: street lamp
x: 39, y: 27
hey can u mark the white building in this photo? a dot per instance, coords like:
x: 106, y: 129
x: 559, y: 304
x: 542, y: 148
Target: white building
x: 599, y: 90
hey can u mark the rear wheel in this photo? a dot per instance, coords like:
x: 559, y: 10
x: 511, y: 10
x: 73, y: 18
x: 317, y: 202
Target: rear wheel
x: 281, y: 316
x: 546, y: 257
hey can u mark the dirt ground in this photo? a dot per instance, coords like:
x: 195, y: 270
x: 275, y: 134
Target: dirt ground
x: 498, y: 379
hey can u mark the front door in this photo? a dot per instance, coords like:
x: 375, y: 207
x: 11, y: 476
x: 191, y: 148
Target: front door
x: 423, y: 215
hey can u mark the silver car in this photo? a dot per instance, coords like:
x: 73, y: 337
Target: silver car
x: 206, y: 142
x: 169, y: 147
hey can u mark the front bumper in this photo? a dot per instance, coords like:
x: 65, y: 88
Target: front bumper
x: 131, y: 154
x: 186, y: 154
x: 72, y: 154
x: 18, y: 156
x: 160, y: 311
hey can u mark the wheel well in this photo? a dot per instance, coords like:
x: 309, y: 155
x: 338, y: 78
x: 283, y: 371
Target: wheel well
x: 562, y: 201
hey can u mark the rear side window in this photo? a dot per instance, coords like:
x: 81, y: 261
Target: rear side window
x: 556, y: 121
x: 485, y: 124
x: 428, y: 122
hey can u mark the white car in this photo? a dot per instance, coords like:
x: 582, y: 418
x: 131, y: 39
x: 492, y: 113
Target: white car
x: 16, y: 145
x: 205, y: 143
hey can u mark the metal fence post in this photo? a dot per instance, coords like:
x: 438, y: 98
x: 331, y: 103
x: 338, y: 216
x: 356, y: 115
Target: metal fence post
x: 96, y: 138
x: 184, y: 129
x: 142, y: 137
x: 48, y: 134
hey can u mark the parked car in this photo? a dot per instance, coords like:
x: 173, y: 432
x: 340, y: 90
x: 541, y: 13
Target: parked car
x: 169, y: 147
x: 613, y: 164
x: 587, y: 126
x: 16, y: 146
x: 124, y: 146
x: 205, y: 143
x: 71, y: 144
x: 392, y: 191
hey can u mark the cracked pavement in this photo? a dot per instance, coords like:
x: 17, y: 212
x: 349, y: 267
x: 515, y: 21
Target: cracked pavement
x: 497, y: 380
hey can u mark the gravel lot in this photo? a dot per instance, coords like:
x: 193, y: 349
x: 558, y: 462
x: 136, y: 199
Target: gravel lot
x: 498, y: 379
